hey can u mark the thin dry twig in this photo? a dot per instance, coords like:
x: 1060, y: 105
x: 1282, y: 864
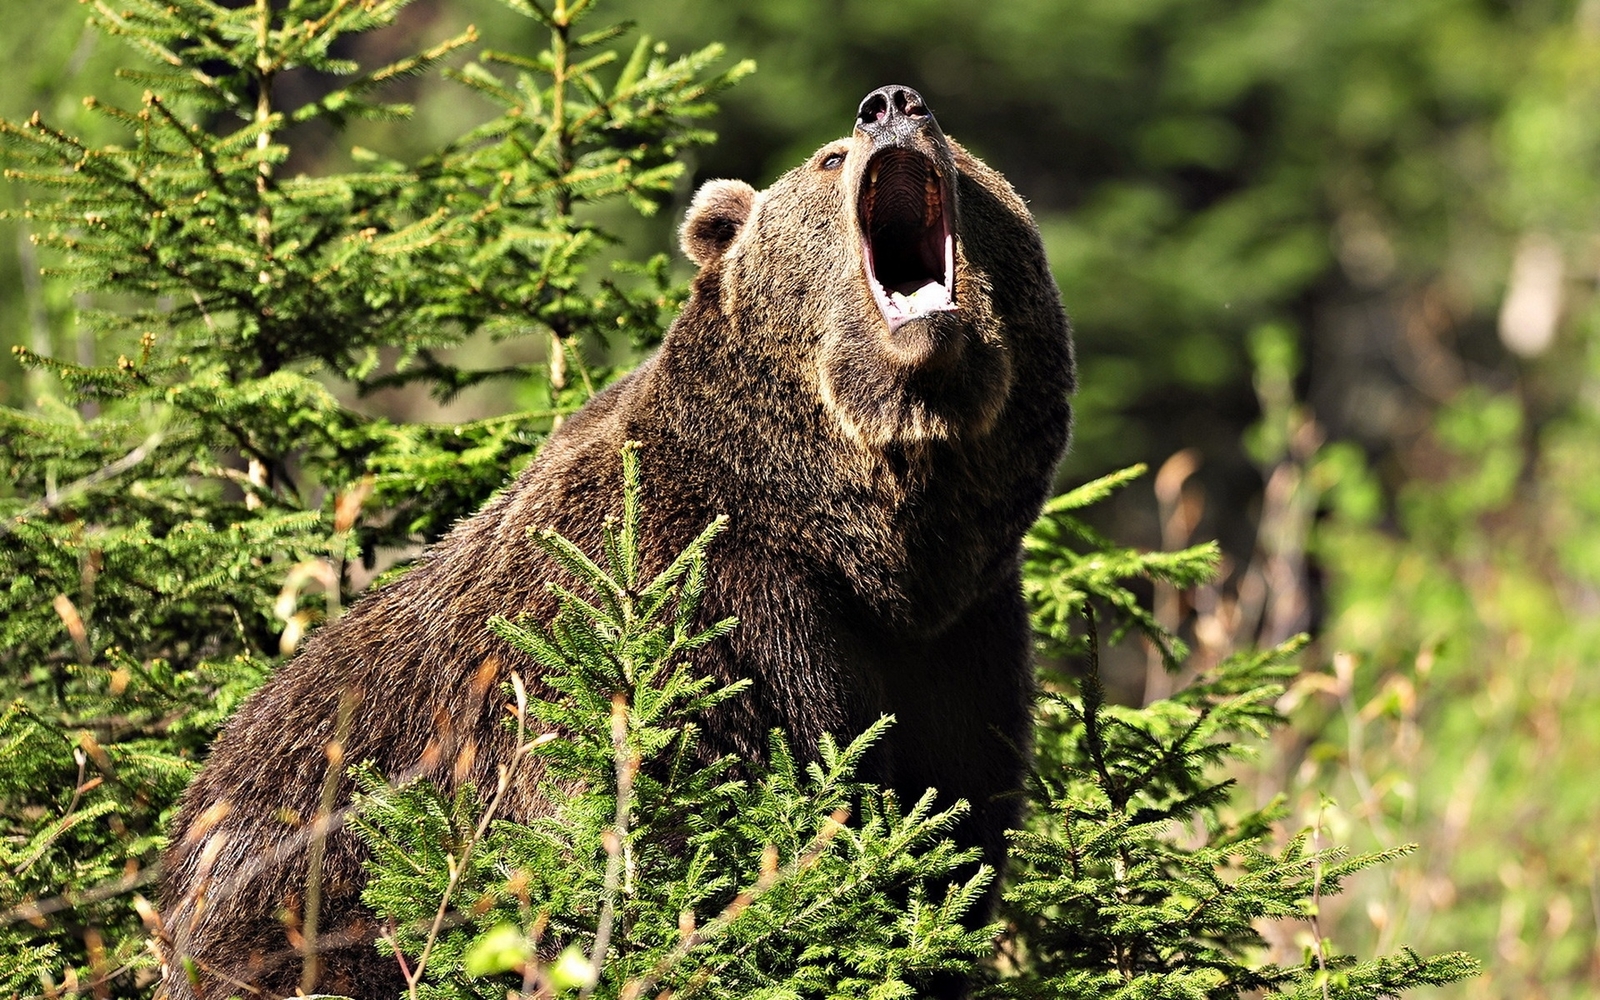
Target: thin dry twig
x: 459, y: 867
x: 1316, y: 901
x: 616, y: 842
x: 37, y: 910
x: 330, y: 787
x: 60, y: 496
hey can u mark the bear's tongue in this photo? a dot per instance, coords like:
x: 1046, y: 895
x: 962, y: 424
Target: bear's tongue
x: 906, y: 237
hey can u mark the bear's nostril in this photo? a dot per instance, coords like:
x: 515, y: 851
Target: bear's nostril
x: 874, y: 108
x: 909, y: 102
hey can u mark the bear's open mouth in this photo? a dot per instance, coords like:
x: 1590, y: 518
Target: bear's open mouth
x: 905, y: 236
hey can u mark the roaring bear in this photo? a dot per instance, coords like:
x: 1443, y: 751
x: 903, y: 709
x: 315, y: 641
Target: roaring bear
x: 870, y: 378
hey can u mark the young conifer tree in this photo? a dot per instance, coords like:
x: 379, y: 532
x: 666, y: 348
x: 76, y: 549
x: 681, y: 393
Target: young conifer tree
x: 652, y: 874
x: 1139, y: 874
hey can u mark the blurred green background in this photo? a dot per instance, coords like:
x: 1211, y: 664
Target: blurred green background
x: 1332, y: 267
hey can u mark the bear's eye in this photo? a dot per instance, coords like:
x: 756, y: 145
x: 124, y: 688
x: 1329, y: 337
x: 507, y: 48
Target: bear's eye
x: 832, y: 161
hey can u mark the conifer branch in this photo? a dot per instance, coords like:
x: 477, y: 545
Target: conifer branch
x: 77, y: 488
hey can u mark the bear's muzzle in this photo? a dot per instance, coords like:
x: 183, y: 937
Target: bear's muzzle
x: 905, y: 207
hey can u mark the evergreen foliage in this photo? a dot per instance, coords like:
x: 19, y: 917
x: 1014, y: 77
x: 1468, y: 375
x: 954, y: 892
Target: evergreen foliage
x: 1133, y: 879
x: 652, y: 873
x: 1066, y: 562
x: 1138, y: 874
x: 174, y: 521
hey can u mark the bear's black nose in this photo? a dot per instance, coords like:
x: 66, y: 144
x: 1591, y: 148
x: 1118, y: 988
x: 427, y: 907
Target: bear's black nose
x: 892, y: 110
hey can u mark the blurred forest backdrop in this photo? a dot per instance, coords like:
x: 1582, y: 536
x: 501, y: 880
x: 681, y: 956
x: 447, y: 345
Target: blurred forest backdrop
x: 1332, y: 268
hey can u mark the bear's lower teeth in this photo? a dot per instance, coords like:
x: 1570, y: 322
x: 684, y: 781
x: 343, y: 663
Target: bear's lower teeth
x: 924, y: 299
x: 906, y: 245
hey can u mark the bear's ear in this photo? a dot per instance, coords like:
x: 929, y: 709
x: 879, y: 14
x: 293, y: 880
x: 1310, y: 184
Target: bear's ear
x: 716, y: 215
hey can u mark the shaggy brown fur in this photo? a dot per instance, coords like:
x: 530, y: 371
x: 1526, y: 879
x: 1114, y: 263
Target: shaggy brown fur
x: 878, y: 482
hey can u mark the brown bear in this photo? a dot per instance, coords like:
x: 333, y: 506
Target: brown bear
x: 870, y: 378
